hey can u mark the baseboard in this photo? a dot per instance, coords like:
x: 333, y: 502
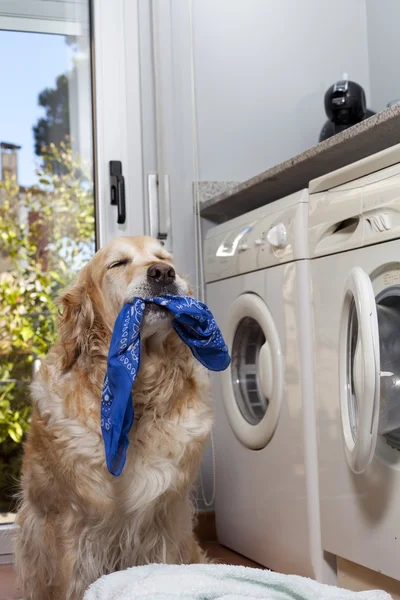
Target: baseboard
x: 205, y: 529
x: 359, y: 579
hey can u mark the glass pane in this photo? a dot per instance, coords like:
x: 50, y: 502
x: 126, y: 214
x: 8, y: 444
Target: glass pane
x: 47, y: 225
x: 388, y: 309
x: 353, y: 356
x: 248, y: 341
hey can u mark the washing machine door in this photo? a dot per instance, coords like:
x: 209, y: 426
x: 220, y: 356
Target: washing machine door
x: 359, y: 370
x: 369, y: 359
x: 253, y: 383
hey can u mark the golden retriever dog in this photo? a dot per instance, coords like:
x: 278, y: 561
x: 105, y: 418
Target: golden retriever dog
x: 76, y: 521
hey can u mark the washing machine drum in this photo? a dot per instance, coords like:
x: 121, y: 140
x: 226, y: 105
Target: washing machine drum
x: 388, y: 311
x: 253, y: 384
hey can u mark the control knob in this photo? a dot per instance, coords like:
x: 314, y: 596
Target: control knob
x: 277, y: 236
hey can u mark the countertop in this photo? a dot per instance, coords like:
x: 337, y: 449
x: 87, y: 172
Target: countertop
x: 368, y: 137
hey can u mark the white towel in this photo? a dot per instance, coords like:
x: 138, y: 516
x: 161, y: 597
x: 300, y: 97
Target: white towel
x: 212, y: 582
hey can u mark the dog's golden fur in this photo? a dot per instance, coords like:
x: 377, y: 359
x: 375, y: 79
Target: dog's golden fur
x: 76, y: 521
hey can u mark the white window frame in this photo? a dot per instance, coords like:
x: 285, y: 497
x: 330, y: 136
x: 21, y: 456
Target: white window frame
x: 116, y: 115
x: 40, y: 16
x: 118, y: 135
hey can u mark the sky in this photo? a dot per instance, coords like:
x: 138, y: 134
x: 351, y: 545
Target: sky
x: 30, y: 62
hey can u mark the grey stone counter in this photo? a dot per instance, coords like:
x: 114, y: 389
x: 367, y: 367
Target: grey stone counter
x: 366, y: 138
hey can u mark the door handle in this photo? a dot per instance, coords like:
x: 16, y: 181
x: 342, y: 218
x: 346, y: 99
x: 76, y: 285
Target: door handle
x: 152, y: 190
x: 159, y: 211
x: 117, y: 190
x: 164, y: 210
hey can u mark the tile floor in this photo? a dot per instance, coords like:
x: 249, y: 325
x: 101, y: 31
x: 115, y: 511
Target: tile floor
x: 9, y: 591
x: 225, y: 556
x: 8, y: 587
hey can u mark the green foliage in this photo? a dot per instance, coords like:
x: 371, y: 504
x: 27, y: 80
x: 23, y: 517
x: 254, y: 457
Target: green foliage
x: 46, y: 233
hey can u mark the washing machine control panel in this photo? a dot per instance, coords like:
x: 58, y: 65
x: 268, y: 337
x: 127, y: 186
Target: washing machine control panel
x: 281, y: 237
x: 225, y: 250
x: 379, y: 222
x: 270, y: 235
x: 277, y: 235
x: 247, y: 257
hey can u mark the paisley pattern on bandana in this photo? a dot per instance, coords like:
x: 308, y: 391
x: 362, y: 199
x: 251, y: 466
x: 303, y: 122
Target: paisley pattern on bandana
x: 197, y: 328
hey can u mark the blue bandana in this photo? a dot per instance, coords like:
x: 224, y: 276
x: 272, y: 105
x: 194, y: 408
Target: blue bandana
x: 196, y: 327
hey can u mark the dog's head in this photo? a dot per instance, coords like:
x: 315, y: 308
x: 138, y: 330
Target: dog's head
x: 124, y: 269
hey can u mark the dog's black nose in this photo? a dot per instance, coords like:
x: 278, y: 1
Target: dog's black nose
x: 161, y: 273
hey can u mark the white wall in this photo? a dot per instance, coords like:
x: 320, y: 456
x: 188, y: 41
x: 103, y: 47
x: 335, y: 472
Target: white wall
x: 383, y: 18
x: 262, y: 68
x: 261, y: 71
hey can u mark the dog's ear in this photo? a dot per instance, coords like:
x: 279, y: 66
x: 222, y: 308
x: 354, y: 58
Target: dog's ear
x: 76, y: 320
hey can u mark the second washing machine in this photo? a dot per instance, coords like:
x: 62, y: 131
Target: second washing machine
x: 355, y: 243
x: 267, y: 505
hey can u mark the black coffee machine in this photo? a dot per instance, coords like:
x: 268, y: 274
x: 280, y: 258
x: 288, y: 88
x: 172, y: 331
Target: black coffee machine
x: 345, y: 105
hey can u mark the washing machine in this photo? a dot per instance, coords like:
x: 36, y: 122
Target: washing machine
x: 257, y: 275
x: 354, y: 231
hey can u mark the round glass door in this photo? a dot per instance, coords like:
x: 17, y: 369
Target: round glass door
x: 388, y: 309
x: 359, y: 370
x: 253, y: 384
x: 246, y: 354
x: 369, y: 355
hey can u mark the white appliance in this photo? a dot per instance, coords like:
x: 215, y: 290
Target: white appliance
x: 266, y: 465
x: 354, y: 221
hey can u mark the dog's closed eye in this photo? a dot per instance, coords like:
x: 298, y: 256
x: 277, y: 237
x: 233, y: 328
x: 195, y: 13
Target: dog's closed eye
x: 163, y: 256
x: 119, y: 263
